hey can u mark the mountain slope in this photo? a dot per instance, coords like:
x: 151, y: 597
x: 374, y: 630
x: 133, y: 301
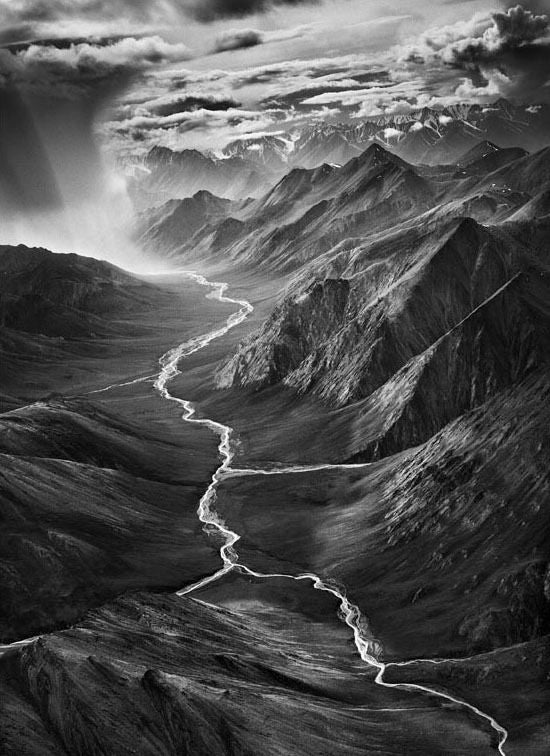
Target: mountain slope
x: 387, y: 283
x: 66, y: 295
x: 173, y: 175
x: 91, y: 506
x: 169, y: 675
x: 307, y: 212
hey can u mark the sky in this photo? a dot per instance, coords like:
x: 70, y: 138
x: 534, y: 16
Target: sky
x: 201, y: 73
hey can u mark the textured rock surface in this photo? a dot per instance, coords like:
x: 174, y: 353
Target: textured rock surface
x: 161, y: 675
x: 444, y: 546
x: 417, y: 330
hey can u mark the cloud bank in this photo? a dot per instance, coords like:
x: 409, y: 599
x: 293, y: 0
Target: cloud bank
x: 506, y: 53
x: 41, y: 67
x: 21, y: 12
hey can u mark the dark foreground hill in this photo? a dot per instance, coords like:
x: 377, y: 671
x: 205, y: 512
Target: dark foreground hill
x: 164, y: 675
x: 67, y: 295
x: 91, y: 505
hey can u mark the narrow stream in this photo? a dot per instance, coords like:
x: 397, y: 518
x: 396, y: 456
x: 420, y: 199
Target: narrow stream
x: 368, y: 648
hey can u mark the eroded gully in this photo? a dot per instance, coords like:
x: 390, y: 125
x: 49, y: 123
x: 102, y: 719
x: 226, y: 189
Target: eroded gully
x: 368, y: 648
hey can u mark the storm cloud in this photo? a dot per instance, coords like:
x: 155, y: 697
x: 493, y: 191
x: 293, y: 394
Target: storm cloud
x: 511, y: 31
x: 18, y: 12
x: 38, y: 67
x: 210, y: 10
x: 194, y: 102
x: 506, y: 53
x: 483, y: 38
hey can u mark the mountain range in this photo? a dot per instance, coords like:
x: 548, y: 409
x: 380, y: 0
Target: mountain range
x: 248, y: 167
x: 379, y: 401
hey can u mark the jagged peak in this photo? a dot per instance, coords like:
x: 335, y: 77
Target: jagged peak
x: 376, y: 155
x: 204, y: 195
x: 463, y: 226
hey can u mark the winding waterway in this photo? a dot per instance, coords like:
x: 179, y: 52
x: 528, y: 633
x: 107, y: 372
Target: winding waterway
x: 368, y: 647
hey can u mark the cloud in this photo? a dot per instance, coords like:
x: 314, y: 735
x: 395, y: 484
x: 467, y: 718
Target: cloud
x: 194, y: 102
x: 506, y: 53
x: 481, y: 39
x: 68, y: 70
x: 17, y: 12
x: 237, y: 39
x: 210, y: 10
x: 511, y: 31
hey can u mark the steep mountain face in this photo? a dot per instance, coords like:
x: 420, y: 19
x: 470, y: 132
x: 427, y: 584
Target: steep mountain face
x: 538, y: 207
x: 478, y: 152
x: 458, y: 313
x: 321, y: 145
x: 305, y: 213
x: 529, y: 174
x: 444, y: 546
x: 66, y: 295
x: 463, y: 489
x: 457, y: 138
x: 170, y: 226
x: 475, y: 164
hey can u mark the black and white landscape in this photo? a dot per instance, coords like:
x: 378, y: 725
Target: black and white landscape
x: 274, y: 378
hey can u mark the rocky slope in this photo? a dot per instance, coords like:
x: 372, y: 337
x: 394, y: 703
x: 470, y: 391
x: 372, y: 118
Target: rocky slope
x: 91, y: 505
x: 459, y: 313
x: 162, y: 675
x: 444, y: 546
x: 67, y: 295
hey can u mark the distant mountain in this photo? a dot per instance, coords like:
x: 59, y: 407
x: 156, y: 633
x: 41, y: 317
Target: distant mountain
x: 323, y: 144
x: 479, y: 161
x: 248, y: 167
x: 171, y: 175
x: 305, y: 213
x: 170, y: 226
x: 268, y: 151
x: 501, y: 123
x: 310, y: 210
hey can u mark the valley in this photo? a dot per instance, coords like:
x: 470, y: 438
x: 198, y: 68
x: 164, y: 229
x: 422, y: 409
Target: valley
x: 302, y: 507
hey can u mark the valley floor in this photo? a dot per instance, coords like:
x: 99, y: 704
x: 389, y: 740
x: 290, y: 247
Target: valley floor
x: 244, y: 665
